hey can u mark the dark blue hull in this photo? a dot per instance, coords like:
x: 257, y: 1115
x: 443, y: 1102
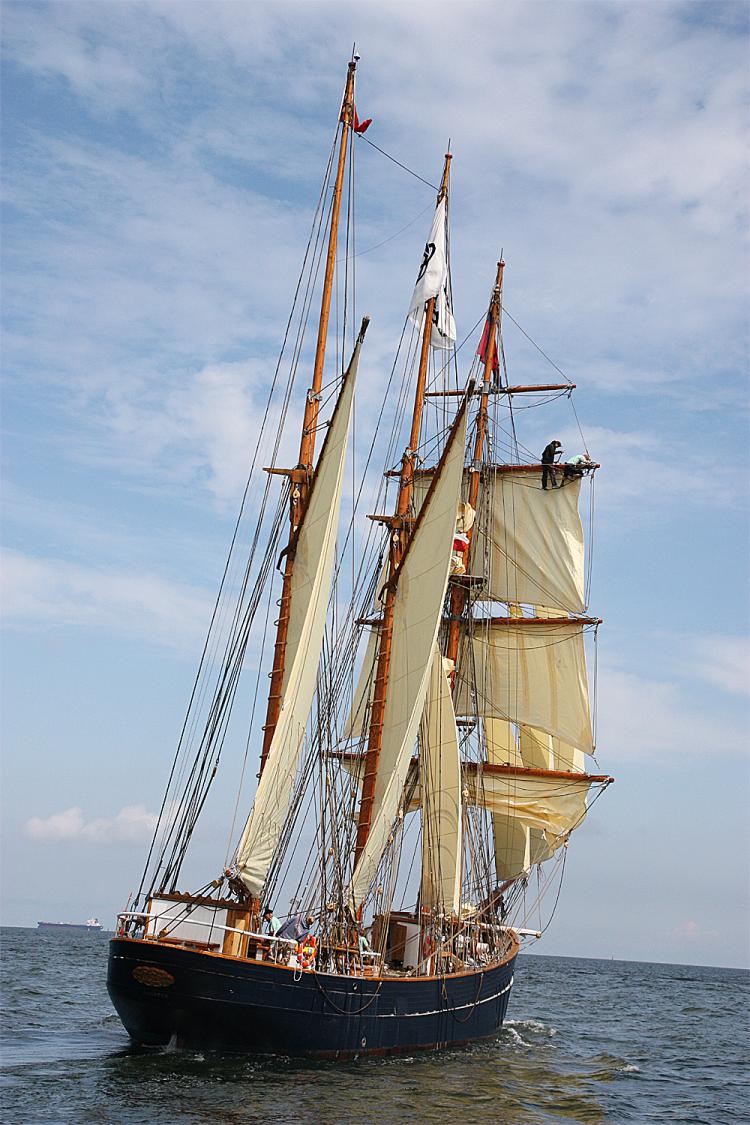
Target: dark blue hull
x: 198, y: 999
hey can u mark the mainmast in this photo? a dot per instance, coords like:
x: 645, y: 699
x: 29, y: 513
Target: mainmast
x: 300, y: 476
x: 400, y: 525
x: 458, y: 593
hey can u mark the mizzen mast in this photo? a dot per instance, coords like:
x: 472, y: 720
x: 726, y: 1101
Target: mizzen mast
x: 400, y: 525
x: 301, y: 475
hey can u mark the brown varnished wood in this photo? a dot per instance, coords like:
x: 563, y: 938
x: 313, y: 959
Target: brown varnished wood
x: 495, y: 390
x: 472, y: 768
x: 528, y: 771
x: 514, y: 622
x: 307, y: 441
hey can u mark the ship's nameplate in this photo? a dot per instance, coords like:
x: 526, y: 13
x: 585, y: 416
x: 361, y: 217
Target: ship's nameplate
x: 153, y: 977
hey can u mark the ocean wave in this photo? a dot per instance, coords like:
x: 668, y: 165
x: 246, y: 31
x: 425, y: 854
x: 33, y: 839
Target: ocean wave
x: 515, y: 1036
x: 532, y: 1025
x: 612, y: 1065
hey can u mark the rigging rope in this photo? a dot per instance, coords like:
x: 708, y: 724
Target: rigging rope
x: 388, y: 156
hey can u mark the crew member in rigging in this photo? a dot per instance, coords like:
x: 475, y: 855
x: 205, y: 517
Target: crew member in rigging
x: 576, y: 466
x: 552, y: 453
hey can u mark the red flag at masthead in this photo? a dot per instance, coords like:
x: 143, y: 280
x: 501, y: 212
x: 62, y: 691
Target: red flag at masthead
x: 361, y: 126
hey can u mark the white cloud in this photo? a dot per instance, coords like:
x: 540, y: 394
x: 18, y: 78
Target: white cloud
x: 56, y: 593
x: 65, y: 825
x: 131, y: 825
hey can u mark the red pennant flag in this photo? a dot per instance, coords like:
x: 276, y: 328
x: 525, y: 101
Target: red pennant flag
x: 361, y: 126
x: 482, y: 349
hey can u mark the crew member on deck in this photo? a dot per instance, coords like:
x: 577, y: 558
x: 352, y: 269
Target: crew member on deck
x: 552, y: 452
x: 297, y: 927
x: 272, y: 923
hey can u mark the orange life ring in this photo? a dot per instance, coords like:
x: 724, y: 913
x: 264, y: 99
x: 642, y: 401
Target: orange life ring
x: 306, y: 952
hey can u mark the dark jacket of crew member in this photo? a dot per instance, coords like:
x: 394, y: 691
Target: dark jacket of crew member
x: 548, y: 459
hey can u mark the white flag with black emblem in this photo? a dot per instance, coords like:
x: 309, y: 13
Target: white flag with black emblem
x: 432, y: 281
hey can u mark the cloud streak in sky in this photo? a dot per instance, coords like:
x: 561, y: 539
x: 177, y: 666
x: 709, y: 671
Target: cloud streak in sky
x: 133, y: 824
x: 54, y: 593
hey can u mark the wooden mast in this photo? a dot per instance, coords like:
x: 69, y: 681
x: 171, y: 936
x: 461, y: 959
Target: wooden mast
x: 458, y: 593
x: 300, y: 477
x: 399, y: 524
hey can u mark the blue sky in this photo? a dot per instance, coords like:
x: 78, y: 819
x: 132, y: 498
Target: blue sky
x: 161, y: 166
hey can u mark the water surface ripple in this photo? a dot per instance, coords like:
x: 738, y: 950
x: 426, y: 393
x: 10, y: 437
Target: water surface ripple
x: 585, y: 1041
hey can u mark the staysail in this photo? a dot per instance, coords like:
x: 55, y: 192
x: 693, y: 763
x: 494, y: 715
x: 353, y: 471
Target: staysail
x: 421, y: 582
x: 311, y: 584
x: 440, y: 792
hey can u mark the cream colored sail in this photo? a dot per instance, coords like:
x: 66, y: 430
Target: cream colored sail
x: 530, y: 674
x: 362, y: 697
x: 363, y: 691
x: 536, y: 749
x: 517, y: 847
x: 311, y: 585
x: 527, y: 539
x: 422, y: 582
x: 440, y: 790
x: 502, y: 748
x: 554, y: 805
x: 533, y: 538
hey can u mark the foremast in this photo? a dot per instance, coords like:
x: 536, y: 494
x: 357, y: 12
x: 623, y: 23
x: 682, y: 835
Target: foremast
x: 400, y: 525
x: 300, y: 476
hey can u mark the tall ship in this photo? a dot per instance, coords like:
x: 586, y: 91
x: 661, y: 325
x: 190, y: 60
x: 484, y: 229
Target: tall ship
x: 424, y: 739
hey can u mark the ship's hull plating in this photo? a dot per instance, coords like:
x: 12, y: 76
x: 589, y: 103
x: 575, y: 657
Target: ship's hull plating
x: 195, y: 999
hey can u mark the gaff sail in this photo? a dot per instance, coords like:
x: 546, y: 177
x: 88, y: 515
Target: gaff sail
x: 311, y: 584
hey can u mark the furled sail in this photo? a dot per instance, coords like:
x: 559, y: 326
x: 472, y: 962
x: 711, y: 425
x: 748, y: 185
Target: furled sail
x: 529, y: 673
x: 440, y: 787
x: 421, y: 579
x: 432, y: 281
x: 311, y: 584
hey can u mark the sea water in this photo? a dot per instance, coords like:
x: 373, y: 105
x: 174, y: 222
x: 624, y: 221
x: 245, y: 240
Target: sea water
x: 585, y: 1041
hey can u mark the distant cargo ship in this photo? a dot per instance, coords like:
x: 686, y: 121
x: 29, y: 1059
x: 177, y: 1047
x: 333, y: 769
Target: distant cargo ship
x: 91, y: 924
